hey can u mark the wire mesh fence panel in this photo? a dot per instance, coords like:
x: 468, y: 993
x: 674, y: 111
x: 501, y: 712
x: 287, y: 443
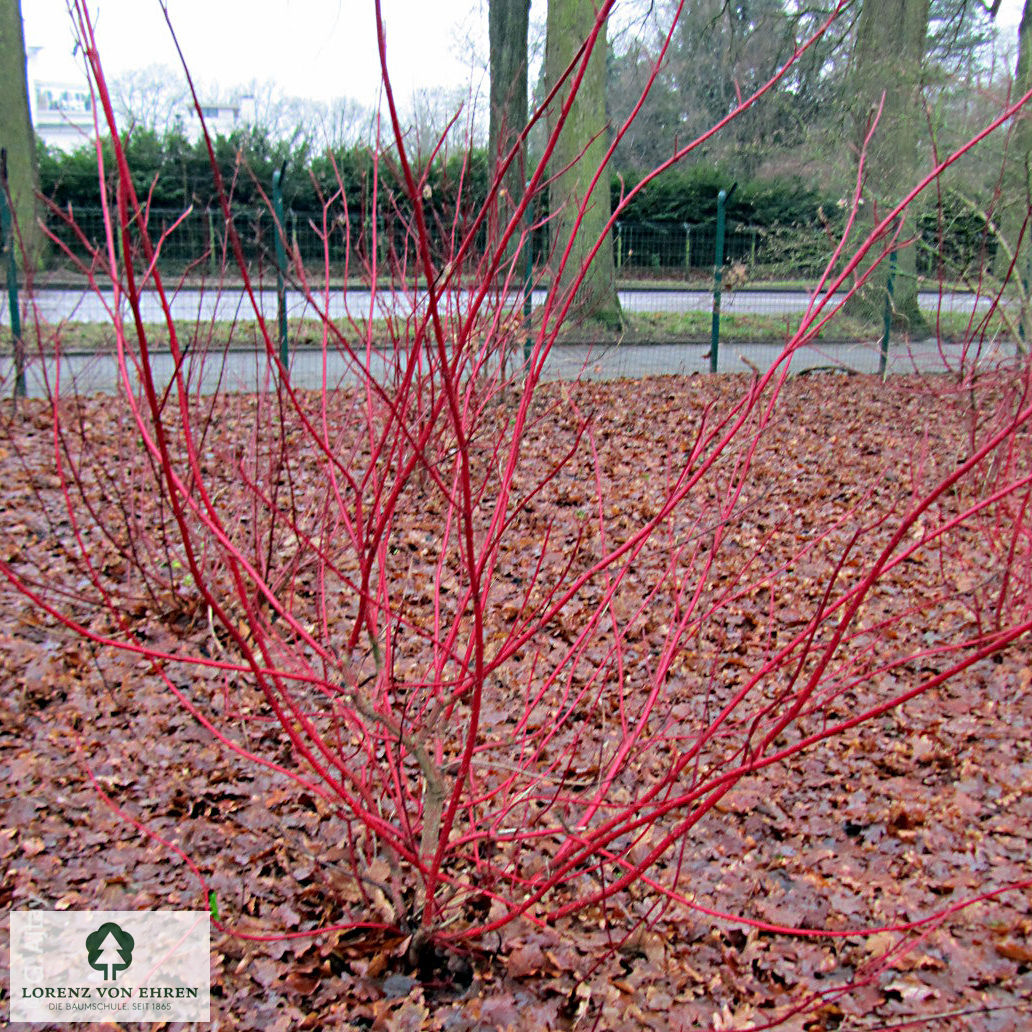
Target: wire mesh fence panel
x: 198, y: 241
x: 192, y: 240
x: 343, y: 236
x: 642, y: 250
x: 679, y: 250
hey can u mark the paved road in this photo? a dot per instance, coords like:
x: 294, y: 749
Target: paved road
x: 249, y: 371
x: 56, y: 305
x: 245, y: 370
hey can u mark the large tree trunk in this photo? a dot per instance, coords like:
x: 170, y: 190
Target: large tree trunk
x: 887, y: 60
x: 582, y: 145
x: 1017, y: 177
x: 16, y: 135
x: 508, y: 22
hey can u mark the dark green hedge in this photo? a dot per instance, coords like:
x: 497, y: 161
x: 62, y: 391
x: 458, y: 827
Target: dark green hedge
x: 689, y: 196
x: 790, y: 215
x: 176, y: 173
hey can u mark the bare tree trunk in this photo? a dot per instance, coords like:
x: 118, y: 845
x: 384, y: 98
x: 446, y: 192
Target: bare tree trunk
x: 887, y: 63
x: 508, y: 22
x: 16, y: 135
x: 582, y: 146
x: 1016, y: 195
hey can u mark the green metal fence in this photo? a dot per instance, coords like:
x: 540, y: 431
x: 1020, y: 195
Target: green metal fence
x: 680, y: 315
x: 644, y: 251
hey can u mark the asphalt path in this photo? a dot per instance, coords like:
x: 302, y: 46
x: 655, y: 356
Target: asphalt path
x: 248, y: 371
x: 233, y: 304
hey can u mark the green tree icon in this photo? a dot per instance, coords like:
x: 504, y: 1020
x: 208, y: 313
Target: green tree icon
x: 109, y: 949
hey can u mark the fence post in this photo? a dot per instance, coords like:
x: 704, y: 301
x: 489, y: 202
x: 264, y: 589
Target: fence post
x: 619, y: 249
x: 687, y: 250
x: 528, y: 278
x: 213, y: 264
x: 883, y: 358
x: 718, y: 274
x: 8, y: 243
x: 281, y: 266
x: 120, y: 235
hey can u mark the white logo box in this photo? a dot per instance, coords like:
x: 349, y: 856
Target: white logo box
x: 110, y: 965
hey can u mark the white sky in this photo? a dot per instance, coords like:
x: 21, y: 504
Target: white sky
x: 318, y: 49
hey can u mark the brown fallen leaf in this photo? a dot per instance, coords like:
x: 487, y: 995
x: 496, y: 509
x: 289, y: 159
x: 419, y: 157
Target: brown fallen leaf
x: 1017, y: 951
x: 525, y: 960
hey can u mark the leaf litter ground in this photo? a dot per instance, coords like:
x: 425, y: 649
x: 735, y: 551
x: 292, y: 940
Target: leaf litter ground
x: 888, y: 823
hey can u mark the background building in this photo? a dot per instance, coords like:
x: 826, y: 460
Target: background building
x: 61, y: 107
